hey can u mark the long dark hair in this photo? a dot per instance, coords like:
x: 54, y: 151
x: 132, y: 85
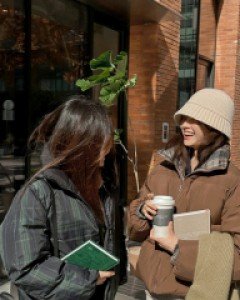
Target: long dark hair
x: 181, y: 152
x: 79, y: 135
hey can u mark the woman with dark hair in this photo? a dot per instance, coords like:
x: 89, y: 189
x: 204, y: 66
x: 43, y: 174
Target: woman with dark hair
x: 196, y: 171
x: 77, y: 138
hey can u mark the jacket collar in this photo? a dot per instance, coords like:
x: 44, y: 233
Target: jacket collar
x: 218, y: 160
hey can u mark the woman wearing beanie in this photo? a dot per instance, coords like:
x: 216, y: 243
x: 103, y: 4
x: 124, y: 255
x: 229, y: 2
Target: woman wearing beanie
x: 197, y: 173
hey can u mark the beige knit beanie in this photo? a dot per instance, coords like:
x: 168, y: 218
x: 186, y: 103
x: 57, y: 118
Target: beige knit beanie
x: 210, y: 106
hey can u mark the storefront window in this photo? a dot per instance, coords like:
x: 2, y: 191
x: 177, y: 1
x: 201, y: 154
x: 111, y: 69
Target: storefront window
x: 12, y: 57
x: 43, y: 50
x: 58, y: 56
x: 45, y: 46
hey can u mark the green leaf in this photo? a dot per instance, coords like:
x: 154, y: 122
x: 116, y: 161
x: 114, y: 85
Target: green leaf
x: 84, y: 84
x: 117, y: 133
x: 122, y: 56
x: 108, y: 100
x: 111, y: 77
x: 102, y: 62
x: 100, y: 78
x: 131, y: 82
x: 121, y: 62
x: 93, y: 80
x: 109, y: 92
x: 108, y: 95
x: 119, y: 75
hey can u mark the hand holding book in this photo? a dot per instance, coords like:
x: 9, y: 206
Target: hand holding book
x: 103, y: 276
x: 191, y: 225
x: 92, y: 256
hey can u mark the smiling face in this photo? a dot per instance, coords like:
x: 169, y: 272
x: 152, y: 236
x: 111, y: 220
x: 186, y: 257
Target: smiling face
x: 195, y: 134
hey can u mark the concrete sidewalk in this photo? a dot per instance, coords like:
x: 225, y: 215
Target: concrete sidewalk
x: 133, y: 289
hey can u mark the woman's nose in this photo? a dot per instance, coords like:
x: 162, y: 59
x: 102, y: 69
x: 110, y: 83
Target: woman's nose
x: 184, y: 124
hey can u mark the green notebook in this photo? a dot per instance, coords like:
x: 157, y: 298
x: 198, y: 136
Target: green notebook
x: 92, y: 256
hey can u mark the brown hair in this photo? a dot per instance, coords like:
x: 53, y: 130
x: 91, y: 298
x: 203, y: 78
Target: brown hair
x: 181, y: 152
x: 79, y: 135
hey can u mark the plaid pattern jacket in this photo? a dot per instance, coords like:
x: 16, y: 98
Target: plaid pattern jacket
x: 218, y: 160
x: 26, y: 244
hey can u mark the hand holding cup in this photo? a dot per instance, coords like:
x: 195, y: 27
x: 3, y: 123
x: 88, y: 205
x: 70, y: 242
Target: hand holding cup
x: 168, y: 242
x: 149, y: 209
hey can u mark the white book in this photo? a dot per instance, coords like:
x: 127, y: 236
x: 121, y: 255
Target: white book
x: 191, y: 225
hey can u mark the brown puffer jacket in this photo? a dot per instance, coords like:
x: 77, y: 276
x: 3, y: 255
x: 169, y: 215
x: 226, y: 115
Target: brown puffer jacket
x: 215, y: 186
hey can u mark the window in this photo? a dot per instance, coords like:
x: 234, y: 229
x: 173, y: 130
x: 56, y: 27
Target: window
x: 188, y: 49
x: 204, y: 73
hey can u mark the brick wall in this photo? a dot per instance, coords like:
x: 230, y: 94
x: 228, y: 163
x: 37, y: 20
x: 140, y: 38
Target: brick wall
x: 201, y: 75
x: 173, y: 5
x: 154, y: 52
x: 227, y: 75
x: 207, y: 30
x: 207, y: 41
x: 222, y: 33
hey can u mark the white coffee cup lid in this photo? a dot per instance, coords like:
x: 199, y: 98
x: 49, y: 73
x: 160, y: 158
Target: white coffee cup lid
x: 163, y: 200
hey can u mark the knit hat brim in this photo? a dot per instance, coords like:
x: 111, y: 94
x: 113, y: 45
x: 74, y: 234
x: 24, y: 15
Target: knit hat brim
x: 202, y: 115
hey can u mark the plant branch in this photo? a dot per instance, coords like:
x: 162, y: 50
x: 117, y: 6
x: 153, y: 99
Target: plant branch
x: 111, y: 76
x: 133, y: 162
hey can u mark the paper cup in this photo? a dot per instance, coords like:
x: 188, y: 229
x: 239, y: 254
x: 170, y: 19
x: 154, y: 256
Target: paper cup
x: 165, y: 210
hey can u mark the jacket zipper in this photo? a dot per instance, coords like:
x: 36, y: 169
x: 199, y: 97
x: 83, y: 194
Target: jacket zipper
x: 180, y: 189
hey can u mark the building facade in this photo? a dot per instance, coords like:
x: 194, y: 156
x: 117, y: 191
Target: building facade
x: 175, y: 48
x: 209, y: 56
x: 46, y: 46
x: 154, y: 56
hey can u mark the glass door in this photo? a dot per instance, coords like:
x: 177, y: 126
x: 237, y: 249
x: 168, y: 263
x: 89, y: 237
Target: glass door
x: 112, y: 36
x: 58, y: 57
x: 12, y: 100
x: 104, y: 39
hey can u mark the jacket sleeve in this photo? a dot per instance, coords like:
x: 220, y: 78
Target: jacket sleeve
x: 184, y: 265
x: 26, y: 253
x: 138, y: 226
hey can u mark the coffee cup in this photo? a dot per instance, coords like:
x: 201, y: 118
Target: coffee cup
x: 164, y: 214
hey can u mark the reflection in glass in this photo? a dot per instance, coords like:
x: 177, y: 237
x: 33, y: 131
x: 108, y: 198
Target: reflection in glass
x: 106, y: 39
x: 55, y: 59
x: 12, y: 53
x: 58, y: 56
